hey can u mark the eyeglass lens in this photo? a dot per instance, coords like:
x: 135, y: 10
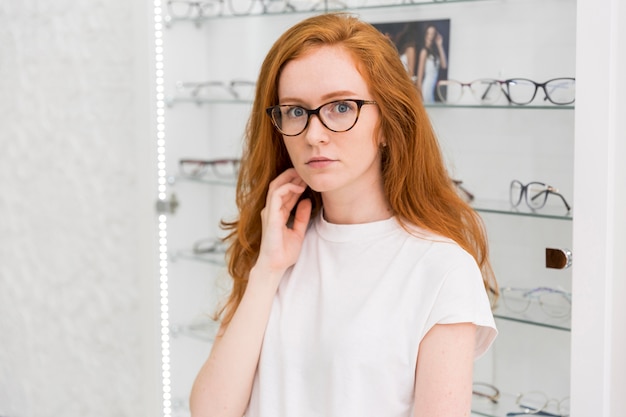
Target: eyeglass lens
x: 338, y: 116
x: 536, y: 194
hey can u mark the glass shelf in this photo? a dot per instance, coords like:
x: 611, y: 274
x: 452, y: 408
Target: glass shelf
x: 225, y: 182
x: 171, y: 101
x: 504, y: 207
x: 212, y: 258
x: 315, y: 7
x: 506, y: 404
x: 498, y: 106
x: 199, y: 101
x: 535, y: 317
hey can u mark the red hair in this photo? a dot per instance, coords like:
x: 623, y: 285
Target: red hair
x: 416, y: 183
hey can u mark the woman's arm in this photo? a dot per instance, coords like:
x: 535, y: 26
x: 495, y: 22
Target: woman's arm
x: 443, y: 376
x: 443, y: 61
x: 224, y: 383
x: 421, y: 64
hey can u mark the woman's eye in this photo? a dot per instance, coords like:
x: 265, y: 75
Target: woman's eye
x: 343, y: 107
x: 296, y: 112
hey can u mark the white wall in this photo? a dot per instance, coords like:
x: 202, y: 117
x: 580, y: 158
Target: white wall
x: 76, y: 217
x: 599, y: 333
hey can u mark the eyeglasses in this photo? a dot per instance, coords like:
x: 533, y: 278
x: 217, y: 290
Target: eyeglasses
x: 214, y: 90
x: 557, y: 90
x: 199, y: 168
x: 464, y: 193
x: 209, y: 246
x: 536, y: 403
x: 484, y: 90
x: 487, y: 391
x: 336, y: 116
x: 535, y: 193
x: 181, y: 9
x: 553, y: 302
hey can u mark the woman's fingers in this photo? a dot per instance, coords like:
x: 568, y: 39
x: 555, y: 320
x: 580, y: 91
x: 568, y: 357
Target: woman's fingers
x: 285, y: 191
x: 302, y: 217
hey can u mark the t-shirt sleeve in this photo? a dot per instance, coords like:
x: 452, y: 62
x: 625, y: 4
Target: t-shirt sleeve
x: 462, y: 299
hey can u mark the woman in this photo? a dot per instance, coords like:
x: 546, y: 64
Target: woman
x: 357, y: 288
x: 432, y: 58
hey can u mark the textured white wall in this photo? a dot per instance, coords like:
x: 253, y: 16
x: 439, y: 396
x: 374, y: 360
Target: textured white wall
x: 75, y: 211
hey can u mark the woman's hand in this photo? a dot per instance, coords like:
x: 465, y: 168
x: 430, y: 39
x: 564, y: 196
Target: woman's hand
x: 281, y: 244
x: 439, y: 40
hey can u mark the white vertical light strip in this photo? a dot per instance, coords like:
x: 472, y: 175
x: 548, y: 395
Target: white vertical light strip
x: 162, y: 195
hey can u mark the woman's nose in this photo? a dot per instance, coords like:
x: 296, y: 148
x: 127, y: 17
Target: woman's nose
x: 316, y: 132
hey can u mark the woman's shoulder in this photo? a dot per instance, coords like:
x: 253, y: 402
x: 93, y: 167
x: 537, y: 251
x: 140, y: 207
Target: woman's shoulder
x: 440, y: 247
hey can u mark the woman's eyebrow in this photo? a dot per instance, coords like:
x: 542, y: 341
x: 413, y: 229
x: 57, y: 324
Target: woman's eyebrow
x: 327, y: 96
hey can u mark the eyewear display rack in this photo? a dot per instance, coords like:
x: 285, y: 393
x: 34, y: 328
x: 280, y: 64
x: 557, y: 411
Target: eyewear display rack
x: 207, y: 59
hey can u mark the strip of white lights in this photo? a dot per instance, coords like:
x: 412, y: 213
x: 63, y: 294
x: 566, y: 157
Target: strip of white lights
x: 162, y: 188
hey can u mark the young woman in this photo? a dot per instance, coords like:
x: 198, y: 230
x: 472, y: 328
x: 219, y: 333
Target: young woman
x: 357, y: 285
x: 432, y: 58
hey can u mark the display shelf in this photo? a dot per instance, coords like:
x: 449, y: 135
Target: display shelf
x: 504, y: 207
x: 216, y: 259
x: 534, y: 317
x: 499, y: 106
x: 225, y: 182
x: 298, y: 8
x: 172, y: 101
x: 506, y: 404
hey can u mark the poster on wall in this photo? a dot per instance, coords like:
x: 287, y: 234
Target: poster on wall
x: 423, y: 47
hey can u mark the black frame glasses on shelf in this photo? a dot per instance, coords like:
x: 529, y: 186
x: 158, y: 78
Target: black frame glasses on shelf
x: 520, y: 91
x: 227, y: 168
x: 463, y: 192
x: 535, y: 194
x: 560, y: 91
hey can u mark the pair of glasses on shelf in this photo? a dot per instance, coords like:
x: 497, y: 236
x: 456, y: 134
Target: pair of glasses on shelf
x: 553, y: 302
x: 198, y: 10
x: 234, y: 89
x: 520, y: 91
x: 209, y: 168
x: 535, y: 194
x: 530, y: 403
x: 463, y: 192
x: 209, y: 246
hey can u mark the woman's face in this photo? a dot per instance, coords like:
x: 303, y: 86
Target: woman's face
x: 332, y: 162
x: 429, y: 37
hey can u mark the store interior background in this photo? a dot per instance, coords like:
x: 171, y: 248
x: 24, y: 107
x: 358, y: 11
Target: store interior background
x: 79, y: 294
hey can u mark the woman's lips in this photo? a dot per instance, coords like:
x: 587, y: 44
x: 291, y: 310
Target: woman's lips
x: 319, y: 162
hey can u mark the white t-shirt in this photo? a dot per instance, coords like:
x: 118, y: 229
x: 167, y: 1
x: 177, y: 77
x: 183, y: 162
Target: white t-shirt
x: 347, y: 320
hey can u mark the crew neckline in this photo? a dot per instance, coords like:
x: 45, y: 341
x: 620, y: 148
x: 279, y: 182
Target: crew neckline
x: 351, y: 232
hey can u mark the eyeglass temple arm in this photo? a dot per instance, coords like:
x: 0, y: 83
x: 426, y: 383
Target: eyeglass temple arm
x: 562, y: 198
x: 538, y: 413
x: 551, y: 190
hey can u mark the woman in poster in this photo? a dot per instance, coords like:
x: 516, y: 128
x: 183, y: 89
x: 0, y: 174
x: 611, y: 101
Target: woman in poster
x: 432, y: 58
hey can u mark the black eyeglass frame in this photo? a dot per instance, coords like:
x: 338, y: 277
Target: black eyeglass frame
x: 360, y: 103
x: 524, y: 195
x: 505, y: 89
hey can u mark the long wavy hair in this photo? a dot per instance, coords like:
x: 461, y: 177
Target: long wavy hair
x: 416, y: 183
